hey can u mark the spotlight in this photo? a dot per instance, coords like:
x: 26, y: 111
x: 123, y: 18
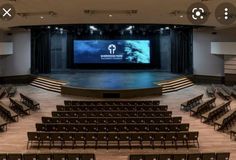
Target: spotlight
x: 93, y: 28
x: 129, y: 28
x: 110, y: 15
x: 61, y: 30
x: 56, y: 28
x: 41, y: 17
x: 48, y: 27
x: 167, y: 28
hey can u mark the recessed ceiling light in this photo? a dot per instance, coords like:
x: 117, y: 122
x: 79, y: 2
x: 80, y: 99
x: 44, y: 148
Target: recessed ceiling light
x: 41, y: 17
x: 110, y: 15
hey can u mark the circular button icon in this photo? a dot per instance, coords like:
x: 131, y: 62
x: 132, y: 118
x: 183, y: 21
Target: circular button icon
x: 198, y: 13
x: 225, y: 13
x: 7, y: 12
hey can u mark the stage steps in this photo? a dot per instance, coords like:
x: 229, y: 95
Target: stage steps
x: 176, y: 84
x: 47, y: 84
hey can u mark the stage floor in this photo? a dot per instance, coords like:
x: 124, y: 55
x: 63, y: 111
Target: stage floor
x: 112, y: 79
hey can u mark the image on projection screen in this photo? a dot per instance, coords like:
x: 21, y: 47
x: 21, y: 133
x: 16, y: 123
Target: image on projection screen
x: 111, y: 51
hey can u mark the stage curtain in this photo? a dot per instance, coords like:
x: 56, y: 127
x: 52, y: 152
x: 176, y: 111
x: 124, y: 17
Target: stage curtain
x: 40, y: 51
x: 70, y: 44
x: 181, y: 51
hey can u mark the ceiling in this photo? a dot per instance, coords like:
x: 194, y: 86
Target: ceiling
x: 72, y: 11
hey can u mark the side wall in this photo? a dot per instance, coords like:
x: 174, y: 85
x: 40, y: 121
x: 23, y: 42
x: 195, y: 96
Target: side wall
x: 204, y: 63
x: 18, y: 63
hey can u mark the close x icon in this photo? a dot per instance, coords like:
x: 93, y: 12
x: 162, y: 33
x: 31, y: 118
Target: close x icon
x: 7, y: 12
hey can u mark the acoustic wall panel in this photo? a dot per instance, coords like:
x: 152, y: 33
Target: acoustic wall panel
x: 230, y: 64
x: 6, y: 48
x: 223, y: 48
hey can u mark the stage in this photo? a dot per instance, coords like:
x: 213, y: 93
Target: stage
x: 112, y: 83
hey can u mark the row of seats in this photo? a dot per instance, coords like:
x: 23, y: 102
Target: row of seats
x: 47, y: 156
x: 60, y: 127
x: 112, y: 114
x: 221, y: 115
x: 203, y: 107
x: 7, y: 113
x: 30, y: 102
x: 111, y: 120
x: 118, y: 140
x: 8, y: 90
x: 222, y: 90
x: 226, y: 120
x: 216, y: 112
x: 187, y: 105
x: 111, y: 103
x: 112, y: 108
x: 189, y: 156
x: 19, y: 107
x: 12, y: 112
x: 126, y: 128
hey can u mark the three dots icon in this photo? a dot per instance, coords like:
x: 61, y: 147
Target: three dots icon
x: 225, y: 13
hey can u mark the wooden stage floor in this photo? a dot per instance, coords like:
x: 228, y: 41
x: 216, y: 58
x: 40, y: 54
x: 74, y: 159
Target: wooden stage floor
x: 15, y: 139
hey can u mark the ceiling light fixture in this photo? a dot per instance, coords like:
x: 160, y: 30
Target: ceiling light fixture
x: 41, y: 14
x: 110, y: 12
x: 93, y: 28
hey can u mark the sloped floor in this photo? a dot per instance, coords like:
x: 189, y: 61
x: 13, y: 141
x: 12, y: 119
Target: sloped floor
x: 15, y: 139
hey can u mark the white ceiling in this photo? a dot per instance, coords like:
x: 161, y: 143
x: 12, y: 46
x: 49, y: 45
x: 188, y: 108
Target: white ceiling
x: 72, y: 11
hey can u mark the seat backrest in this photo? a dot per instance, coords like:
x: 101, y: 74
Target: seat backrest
x: 151, y: 157
x: 29, y: 156
x: 208, y: 156
x: 73, y: 156
x: 222, y: 156
x: 179, y: 157
x: 44, y: 157
x: 14, y: 156
x: 87, y: 157
x: 165, y: 157
x: 136, y: 157
x: 195, y: 156
x: 32, y: 136
x: 3, y: 156
x: 59, y: 156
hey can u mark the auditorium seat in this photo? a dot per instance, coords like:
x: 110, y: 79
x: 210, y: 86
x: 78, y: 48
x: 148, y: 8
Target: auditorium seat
x: 19, y: 107
x: 226, y: 120
x: 14, y: 156
x: 30, y: 156
x: 208, y: 156
x: 8, y: 113
x: 31, y: 103
x: 3, y: 156
x: 11, y: 90
x: 222, y: 156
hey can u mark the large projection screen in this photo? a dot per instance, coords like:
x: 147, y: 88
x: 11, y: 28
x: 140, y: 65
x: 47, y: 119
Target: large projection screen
x: 111, y: 51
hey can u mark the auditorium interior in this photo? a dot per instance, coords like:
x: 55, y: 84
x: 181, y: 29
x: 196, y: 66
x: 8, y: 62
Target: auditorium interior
x: 117, y: 80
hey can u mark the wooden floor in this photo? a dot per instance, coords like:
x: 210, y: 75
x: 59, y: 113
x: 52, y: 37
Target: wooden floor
x: 15, y: 139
